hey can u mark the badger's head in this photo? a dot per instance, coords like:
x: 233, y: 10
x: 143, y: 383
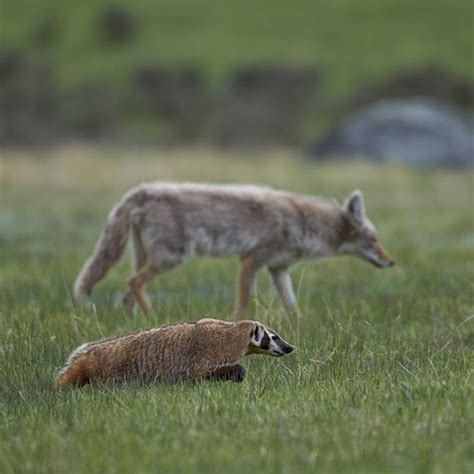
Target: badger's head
x: 266, y: 341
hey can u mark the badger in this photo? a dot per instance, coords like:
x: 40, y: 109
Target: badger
x: 206, y: 349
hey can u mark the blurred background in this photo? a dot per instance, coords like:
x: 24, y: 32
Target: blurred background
x: 389, y: 80
x: 316, y: 96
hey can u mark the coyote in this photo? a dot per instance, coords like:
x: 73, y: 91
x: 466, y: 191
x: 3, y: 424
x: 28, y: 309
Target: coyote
x: 170, y: 222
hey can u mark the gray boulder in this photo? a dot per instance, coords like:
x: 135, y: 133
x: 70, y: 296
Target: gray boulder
x: 418, y: 132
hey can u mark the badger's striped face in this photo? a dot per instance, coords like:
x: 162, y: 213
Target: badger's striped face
x: 265, y: 341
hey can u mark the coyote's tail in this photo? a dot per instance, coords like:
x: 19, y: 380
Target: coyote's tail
x: 108, y: 250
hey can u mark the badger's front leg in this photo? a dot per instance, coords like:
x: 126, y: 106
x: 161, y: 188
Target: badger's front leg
x: 234, y: 373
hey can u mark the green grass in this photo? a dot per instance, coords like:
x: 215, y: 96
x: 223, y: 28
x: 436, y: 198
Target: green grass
x: 350, y: 40
x: 381, y: 380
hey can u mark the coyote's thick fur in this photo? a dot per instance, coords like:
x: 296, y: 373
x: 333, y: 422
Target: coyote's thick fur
x: 168, y: 223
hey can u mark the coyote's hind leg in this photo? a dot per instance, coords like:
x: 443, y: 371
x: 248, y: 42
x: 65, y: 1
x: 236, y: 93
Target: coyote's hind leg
x: 139, y: 257
x: 144, y: 276
x: 136, y: 284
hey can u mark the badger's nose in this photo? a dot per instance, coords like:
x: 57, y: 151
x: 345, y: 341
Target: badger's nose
x: 288, y: 349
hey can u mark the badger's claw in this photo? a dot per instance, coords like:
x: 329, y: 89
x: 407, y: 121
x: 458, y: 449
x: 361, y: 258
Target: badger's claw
x: 234, y: 373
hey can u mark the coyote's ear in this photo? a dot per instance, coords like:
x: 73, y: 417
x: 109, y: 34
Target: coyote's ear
x: 354, y: 206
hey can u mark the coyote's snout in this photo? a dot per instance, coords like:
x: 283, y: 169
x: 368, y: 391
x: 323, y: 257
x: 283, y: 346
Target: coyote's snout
x: 168, y: 223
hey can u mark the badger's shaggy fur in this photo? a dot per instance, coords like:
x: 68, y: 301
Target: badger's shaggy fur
x: 208, y: 348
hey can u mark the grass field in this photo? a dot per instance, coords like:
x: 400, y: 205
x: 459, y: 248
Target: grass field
x: 381, y: 380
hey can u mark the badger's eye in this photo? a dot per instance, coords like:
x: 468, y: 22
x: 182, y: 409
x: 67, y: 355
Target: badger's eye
x: 275, y: 338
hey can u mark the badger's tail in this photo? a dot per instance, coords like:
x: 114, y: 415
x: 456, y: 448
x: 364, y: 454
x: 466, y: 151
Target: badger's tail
x: 108, y: 250
x: 76, y: 373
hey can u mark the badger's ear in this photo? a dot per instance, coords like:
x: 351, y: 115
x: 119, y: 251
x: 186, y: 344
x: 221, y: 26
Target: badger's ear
x: 354, y: 206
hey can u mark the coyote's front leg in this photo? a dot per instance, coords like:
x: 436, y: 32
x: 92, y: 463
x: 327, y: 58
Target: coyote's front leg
x: 282, y: 281
x: 249, y: 267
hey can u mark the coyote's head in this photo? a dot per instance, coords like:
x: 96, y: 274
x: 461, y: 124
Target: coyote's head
x: 360, y: 237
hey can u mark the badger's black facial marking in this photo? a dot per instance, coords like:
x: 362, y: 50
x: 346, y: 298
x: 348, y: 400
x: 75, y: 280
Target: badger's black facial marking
x: 265, y: 343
